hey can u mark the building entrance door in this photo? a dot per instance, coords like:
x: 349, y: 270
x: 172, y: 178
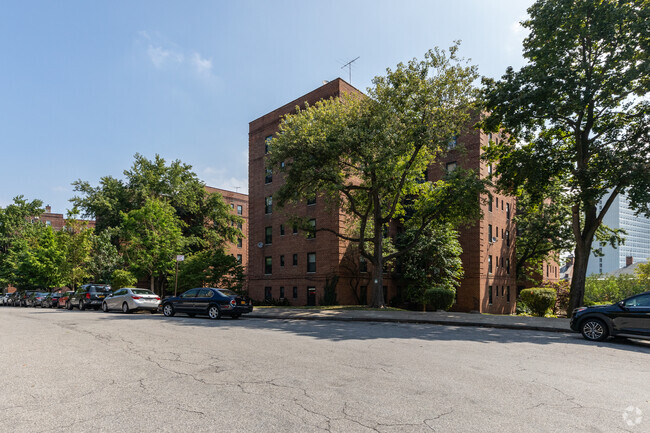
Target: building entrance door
x: 311, y: 296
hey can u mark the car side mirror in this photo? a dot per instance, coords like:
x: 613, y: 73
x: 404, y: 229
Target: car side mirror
x: 621, y: 305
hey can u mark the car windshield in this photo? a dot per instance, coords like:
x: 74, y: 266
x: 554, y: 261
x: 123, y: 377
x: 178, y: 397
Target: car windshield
x: 227, y: 292
x: 102, y: 288
x: 142, y: 292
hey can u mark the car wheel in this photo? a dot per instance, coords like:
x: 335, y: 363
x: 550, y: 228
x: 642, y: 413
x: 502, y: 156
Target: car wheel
x: 594, y: 330
x: 168, y: 310
x: 81, y: 305
x: 213, y: 312
x: 68, y: 305
x: 104, y: 307
x: 125, y: 308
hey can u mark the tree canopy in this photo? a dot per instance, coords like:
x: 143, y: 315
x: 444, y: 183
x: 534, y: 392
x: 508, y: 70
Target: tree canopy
x: 578, y: 113
x: 367, y: 155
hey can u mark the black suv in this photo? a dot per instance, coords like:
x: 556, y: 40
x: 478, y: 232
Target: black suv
x: 88, y: 296
x: 627, y: 318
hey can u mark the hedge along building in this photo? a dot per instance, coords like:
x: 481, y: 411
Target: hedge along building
x: 285, y: 263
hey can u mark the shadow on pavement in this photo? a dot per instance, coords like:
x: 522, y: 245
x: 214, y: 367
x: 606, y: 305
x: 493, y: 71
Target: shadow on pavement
x: 341, y: 331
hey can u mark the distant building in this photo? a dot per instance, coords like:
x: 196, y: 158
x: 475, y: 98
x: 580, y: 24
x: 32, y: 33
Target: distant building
x: 57, y: 220
x: 637, y: 240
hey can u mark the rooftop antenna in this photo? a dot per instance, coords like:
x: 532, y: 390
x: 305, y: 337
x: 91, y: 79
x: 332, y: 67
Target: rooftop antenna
x: 349, y: 66
x: 237, y: 188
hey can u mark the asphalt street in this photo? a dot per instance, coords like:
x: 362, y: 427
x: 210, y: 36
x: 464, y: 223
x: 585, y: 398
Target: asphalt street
x: 86, y: 371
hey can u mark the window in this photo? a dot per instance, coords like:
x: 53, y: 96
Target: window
x: 311, y: 262
x: 239, y: 259
x: 490, y: 169
x: 205, y: 293
x: 48, y: 223
x: 282, y: 164
x: 497, y: 202
x: 496, y: 232
x: 240, y: 226
x: 508, y: 294
x: 502, y: 233
x: 267, y: 144
x: 295, y: 259
x: 639, y: 301
x: 363, y: 264
x: 490, y: 204
x: 489, y: 264
x: 501, y: 204
x: 190, y: 293
x: 311, y: 200
x: 268, y: 265
x: 281, y: 229
x: 295, y: 292
x: 508, y: 266
x: 490, y: 295
x: 507, y: 210
x: 239, y: 243
x: 268, y: 294
x: 451, y: 166
x: 240, y: 209
x: 453, y: 142
x: 508, y: 237
x: 490, y: 233
x: 282, y: 261
x: 281, y: 292
x: 312, y: 229
x: 268, y: 178
x: 294, y: 229
x: 268, y: 205
x: 268, y: 235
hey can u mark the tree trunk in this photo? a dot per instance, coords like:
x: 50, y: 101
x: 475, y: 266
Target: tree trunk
x: 577, y: 294
x: 153, y: 288
x: 378, y: 300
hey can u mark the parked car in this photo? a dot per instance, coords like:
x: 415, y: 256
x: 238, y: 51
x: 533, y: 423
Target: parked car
x: 13, y: 299
x: 23, y: 296
x: 4, y: 299
x: 36, y: 299
x: 89, y: 296
x: 211, y: 301
x: 131, y: 299
x: 51, y: 300
x: 627, y: 318
x: 63, y: 300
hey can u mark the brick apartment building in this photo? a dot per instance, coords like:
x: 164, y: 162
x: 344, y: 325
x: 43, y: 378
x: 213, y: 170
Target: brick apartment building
x: 57, y: 220
x: 238, y: 202
x: 284, y: 263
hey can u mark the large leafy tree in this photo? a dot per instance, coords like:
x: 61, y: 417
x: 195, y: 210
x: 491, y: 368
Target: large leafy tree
x: 37, y: 259
x: 212, y: 268
x: 152, y: 238
x: 105, y: 259
x: 543, y: 231
x: 578, y: 112
x: 76, y: 242
x: 434, y: 261
x: 208, y: 220
x: 367, y: 155
x: 15, y: 219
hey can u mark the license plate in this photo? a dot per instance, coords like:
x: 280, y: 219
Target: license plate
x: 101, y: 296
x: 243, y: 302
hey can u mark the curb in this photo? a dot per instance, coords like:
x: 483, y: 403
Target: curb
x: 416, y: 321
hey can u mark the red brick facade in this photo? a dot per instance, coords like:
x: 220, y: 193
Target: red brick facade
x: 238, y: 202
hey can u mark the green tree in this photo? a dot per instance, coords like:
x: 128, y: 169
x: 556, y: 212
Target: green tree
x: 434, y: 262
x: 75, y: 242
x: 122, y: 278
x: 643, y: 274
x: 152, y: 237
x: 578, y: 112
x: 37, y: 259
x: 544, y: 231
x: 211, y: 268
x: 208, y: 220
x: 15, y: 219
x: 367, y: 155
x: 104, y: 257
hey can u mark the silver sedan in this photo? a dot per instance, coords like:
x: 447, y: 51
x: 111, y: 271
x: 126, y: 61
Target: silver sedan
x: 131, y: 299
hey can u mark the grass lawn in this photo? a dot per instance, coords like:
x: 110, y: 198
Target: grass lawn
x: 335, y: 307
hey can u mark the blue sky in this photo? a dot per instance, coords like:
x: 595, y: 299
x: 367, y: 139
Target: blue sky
x: 84, y: 85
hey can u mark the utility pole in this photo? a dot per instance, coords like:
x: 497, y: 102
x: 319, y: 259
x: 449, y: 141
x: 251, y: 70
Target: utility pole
x: 349, y: 66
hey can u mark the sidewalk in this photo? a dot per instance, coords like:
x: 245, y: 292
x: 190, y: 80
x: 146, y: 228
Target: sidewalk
x: 434, y: 318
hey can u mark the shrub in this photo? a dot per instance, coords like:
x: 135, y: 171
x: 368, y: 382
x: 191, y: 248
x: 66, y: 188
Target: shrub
x: 539, y: 300
x: 122, y: 278
x: 600, y: 289
x: 440, y: 298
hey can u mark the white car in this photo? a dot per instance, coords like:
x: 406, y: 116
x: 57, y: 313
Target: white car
x: 4, y: 298
x: 131, y: 299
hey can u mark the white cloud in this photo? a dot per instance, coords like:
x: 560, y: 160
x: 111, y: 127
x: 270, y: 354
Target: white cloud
x: 202, y: 66
x: 221, y: 178
x: 160, y: 56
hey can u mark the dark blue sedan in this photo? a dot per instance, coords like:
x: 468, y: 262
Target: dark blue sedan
x: 209, y: 301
